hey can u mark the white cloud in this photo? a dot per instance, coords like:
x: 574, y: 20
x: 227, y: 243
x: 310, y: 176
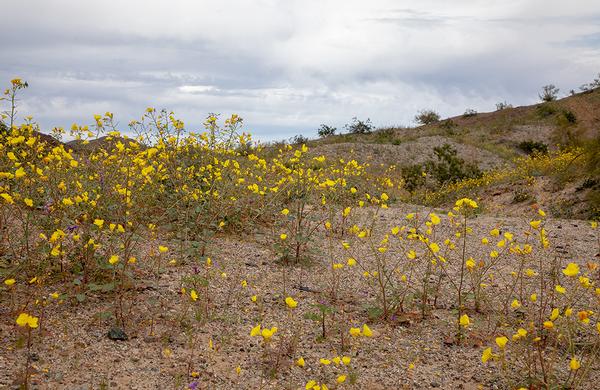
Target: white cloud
x: 287, y: 66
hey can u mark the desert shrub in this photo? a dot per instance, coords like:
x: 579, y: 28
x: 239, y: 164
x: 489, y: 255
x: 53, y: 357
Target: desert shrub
x: 385, y: 136
x: 298, y: 140
x: 545, y: 110
x: 592, y: 155
x: 469, y: 112
x: 427, y: 117
x: 569, y: 116
x: 589, y: 87
x: 448, y: 124
x: 326, y: 130
x: 413, y: 176
x: 549, y: 93
x: 503, y: 106
x: 531, y: 147
x: 358, y: 126
x: 448, y: 167
x: 521, y: 196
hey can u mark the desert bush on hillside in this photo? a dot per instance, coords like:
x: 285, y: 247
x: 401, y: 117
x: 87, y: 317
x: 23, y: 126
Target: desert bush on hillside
x: 358, y: 126
x: 549, y: 93
x: 503, y: 106
x: 531, y: 147
x: 545, y: 110
x: 427, y: 117
x: 448, y: 167
x: 569, y: 116
x: 414, y: 177
x: 326, y: 130
x: 592, y: 154
x: 469, y: 112
x: 589, y: 87
x: 298, y: 140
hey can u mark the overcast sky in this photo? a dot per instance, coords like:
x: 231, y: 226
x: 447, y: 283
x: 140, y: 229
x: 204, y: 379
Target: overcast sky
x: 287, y: 66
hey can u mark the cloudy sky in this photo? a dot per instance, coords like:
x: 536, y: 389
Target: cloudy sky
x: 287, y: 66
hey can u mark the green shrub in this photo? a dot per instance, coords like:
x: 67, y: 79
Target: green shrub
x: 448, y: 167
x: 549, y: 93
x: 413, y: 177
x: 545, y: 110
x: 569, y: 116
x: 427, y: 117
x: 298, y: 140
x: 326, y: 130
x: 531, y: 147
x: 358, y: 126
x: 503, y: 106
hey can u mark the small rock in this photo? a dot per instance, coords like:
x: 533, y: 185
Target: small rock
x: 116, y: 333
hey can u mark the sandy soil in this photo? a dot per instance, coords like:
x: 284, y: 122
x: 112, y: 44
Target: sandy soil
x: 75, y: 352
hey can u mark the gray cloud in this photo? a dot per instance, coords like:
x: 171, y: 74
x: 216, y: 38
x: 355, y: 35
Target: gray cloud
x: 287, y: 66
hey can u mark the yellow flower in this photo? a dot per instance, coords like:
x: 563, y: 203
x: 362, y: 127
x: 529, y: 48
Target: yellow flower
x: 464, y: 320
x: 290, y: 302
x: 571, y: 270
x: 351, y: 262
x: 548, y: 324
x: 7, y: 198
x: 341, y: 379
x: 533, y: 297
x: 55, y: 251
x: 253, y: 298
x: 193, y: 295
x: 346, y: 212
x: 162, y: 249
x: 25, y: 319
x: 554, y: 315
x: 535, y: 224
x: 346, y: 360
x: 560, y: 289
x: 367, y: 332
x: 285, y: 211
x: 255, y: 331
x: 28, y: 202
x: 434, y: 247
x: 283, y: 236
x: 114, y: 259
x: 470, y: 264
x: 487, y: 354
x: 268, y: 333
x: 99, y: 223
x: 9, y: 282
x: 515, y: 304
x: 495, y: 232
x: 574, y: 364
x: 501, y: 341
x: 300, y: 362
x: 54, y: 295
x: 325, y: 362
x: 434, y: 219
x: 354, y: 332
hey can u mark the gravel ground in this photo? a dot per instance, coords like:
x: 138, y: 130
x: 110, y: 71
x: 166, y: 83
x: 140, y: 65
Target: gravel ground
x: 75, y: 352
